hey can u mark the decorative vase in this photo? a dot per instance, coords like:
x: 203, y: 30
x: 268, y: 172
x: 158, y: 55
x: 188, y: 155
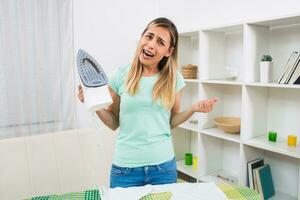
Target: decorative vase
x: 266, y: 71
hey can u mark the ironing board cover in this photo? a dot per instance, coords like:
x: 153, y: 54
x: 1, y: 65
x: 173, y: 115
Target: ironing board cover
x: 232, y: 192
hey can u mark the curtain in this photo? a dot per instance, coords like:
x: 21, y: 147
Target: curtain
x: 36, y: 67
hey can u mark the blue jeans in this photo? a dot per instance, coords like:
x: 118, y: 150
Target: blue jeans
x: 138, y: 176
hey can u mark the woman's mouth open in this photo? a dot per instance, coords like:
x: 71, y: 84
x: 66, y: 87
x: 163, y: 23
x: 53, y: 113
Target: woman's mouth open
x: 147, y: 54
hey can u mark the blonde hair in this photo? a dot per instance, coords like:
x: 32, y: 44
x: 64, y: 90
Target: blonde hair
x: 165, y: 86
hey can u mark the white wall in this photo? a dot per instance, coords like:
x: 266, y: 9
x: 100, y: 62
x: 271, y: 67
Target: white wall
x: 193, y: 14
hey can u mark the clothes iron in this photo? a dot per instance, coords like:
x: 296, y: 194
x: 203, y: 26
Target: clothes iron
x: 94, y: 82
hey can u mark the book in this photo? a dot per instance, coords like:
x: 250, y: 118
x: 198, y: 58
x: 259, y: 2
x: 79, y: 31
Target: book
x: 255, y: 177
x: 287, y: 68
x: 264, y: 180
x: 293, y: 69
x: 296, y: 74
x: 297, y: 81
x: 251, y: 165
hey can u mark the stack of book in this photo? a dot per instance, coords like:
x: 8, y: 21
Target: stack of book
x: 260, y: 178
x: 291, y: 73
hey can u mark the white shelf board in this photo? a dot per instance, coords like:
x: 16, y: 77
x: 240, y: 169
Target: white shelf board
x: 191, y: 80
x: 285, y: 21
x: 282, y: 196
x: 223, y: 82
x: 273, y: 85
x: 218, y: 133
x: 280, y: 146
x: 186, y: 169
x: 213, y: 177
x: 270, y: 21
x: 189, y: 33
x: 189, y: 126
x: 225, y: 28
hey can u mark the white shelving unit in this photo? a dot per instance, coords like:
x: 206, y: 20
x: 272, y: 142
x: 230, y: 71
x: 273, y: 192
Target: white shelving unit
x: 222, y: 82
x: 219, y: 176
x: 191, y: 80
x: 186, y: 136
x: 222, y: 53
x: 216, y: 132
x: 189, y: 125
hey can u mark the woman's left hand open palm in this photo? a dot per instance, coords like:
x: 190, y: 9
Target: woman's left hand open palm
x: 205, y: 105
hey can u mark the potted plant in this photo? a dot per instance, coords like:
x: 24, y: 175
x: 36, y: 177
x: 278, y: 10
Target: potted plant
x: 266, y: 69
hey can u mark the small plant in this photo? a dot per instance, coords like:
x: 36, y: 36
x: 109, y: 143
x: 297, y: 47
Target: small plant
x: 267, y: 58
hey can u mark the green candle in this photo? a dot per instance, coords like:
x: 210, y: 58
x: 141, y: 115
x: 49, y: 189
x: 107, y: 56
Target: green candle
x: 272, y: 136
x: 188, y: 159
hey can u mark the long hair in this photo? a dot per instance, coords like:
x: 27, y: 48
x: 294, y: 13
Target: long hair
x: 164, y: 88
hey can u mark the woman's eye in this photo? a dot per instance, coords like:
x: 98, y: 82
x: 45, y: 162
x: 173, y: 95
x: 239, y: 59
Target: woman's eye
x: 160, y: 43
x: 148, y: 36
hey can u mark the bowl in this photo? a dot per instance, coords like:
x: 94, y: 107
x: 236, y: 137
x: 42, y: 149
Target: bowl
x: 229, y: 124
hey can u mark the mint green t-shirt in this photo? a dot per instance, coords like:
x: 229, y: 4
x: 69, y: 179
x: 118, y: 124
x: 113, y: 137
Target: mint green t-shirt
x: 145, y: 132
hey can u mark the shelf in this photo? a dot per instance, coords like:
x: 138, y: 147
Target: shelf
x: 223, y: 82
x: 256, y: 84
x: 273, y: 85
x: 234, y: 50
x: 189, y: 126
x: 189, y: 170
x: 191, y: 80
x: 225, y: 29
x: 286, y: 21
x: 221, y: 53
x: 279, y: 146
x: 193, y: 33
x: 282, y: 196
x: 216, y: 177
x: 216, y: 132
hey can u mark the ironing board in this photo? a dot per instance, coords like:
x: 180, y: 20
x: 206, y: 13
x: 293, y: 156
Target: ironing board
x: 232, y: 192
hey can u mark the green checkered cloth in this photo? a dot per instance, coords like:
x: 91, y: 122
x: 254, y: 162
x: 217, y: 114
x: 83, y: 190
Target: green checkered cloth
x: 158, y: 196
x: 234, y: 192
x: 84, y: 195
x: 94, y: 195
x: 231, y: 191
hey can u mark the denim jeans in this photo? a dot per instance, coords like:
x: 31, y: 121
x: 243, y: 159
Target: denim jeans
x: 138, y: 176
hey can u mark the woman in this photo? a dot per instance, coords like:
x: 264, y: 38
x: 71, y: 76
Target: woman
x: 146, y: 105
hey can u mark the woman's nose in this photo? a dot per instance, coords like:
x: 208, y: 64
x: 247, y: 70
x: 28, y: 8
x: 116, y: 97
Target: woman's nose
x: 151, y: 43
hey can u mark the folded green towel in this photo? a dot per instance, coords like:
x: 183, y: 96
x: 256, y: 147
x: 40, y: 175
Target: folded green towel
x: 84, y: 195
